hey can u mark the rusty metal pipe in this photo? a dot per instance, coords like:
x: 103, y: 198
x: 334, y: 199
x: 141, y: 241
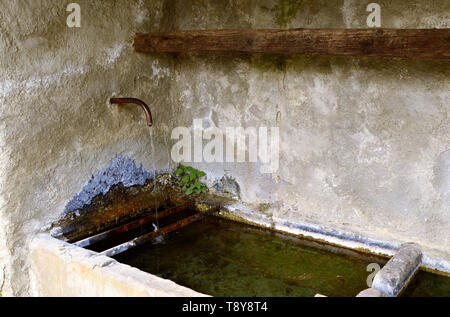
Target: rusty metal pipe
x: 148, y: 114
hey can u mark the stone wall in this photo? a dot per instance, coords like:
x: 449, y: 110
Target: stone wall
x: 56, y: 126
x: 364, y: 141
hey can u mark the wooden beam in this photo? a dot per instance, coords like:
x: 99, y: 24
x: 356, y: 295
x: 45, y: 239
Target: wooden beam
x: 407, y: 43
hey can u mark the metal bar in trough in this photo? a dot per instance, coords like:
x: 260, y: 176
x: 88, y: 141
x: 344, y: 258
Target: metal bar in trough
x: 130, y: 226
x: 164, y: 230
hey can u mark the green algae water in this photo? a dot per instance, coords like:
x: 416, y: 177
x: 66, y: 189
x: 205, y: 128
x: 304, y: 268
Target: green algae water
x: 220, y: 257
x: 426, y: 284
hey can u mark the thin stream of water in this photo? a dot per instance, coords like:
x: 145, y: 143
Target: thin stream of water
x: 153, y: 160
x: 152, y: 151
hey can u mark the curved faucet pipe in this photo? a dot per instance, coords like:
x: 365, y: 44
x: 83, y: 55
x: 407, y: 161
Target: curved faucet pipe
x: 148, y: 114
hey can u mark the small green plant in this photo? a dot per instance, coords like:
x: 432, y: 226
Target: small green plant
x: 189, y: 180
x: 263, y: 207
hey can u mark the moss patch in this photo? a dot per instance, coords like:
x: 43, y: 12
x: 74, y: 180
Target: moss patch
x: 285, y: 11
x: 270, y: 62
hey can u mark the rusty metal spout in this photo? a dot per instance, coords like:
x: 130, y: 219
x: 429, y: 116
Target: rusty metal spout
x: 148, y: 114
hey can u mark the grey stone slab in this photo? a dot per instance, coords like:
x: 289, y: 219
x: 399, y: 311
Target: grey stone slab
x: 397, y: 272
x: 371, y: 292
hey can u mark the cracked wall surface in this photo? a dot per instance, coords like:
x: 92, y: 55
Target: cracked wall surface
x: 364, y: 141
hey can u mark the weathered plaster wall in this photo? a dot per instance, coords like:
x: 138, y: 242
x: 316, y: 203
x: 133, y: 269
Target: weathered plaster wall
x: 364, y: 141
x: 56, y: 128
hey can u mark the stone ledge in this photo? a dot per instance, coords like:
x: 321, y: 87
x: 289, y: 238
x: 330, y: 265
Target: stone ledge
x: 397, y: 272
x: 61, y: 269
x: 370, y: 292
x: 432, y: 259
